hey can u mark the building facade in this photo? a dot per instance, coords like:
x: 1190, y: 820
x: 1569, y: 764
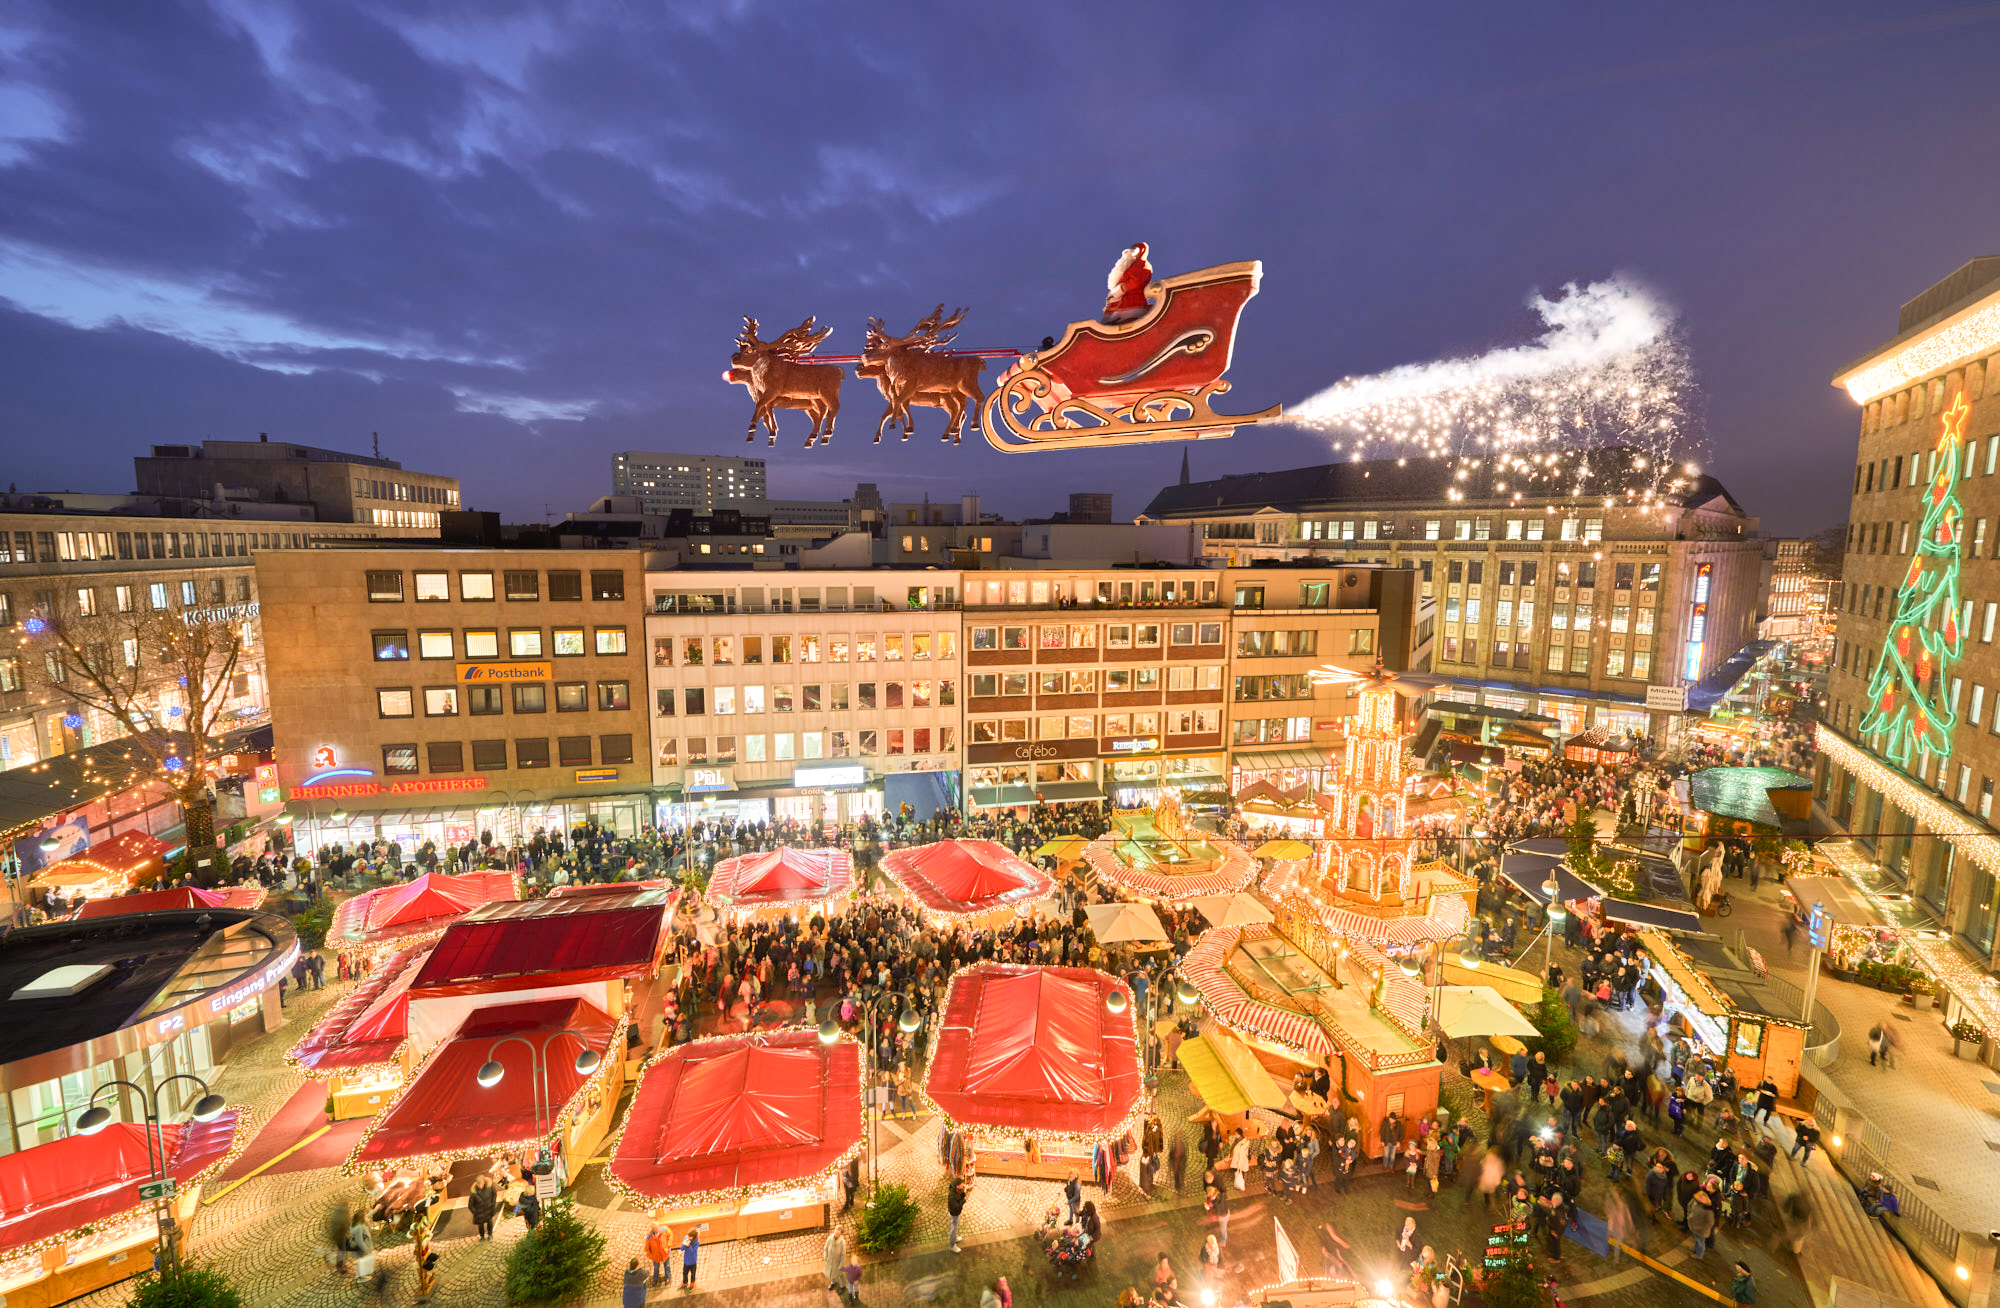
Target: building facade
x: 1794, y: 596
x: 338, y: 487
x: 813, y: 696
x: 698, y: 482
x: 1573, y: 606
x: 1922, y: 804
x: 429, y: 695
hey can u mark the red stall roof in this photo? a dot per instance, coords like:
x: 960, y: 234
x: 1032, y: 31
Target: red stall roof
x: 369, y: 1024
x: 610, y: 888
x: 743, y: 1114
x: 444, y: 1109
x: 56, y: 1187
x: 125, y: 854
x: 1035, y: 1049
x: 965, y: 877
x: 159, y: 901
x: 390, y: 913
x: 548, y: 942
x: 782, y: 876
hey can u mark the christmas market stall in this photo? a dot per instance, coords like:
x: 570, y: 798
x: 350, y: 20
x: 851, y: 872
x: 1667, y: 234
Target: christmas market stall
x: 1035, y: 1071
x: 388, y: 918
x: 782, y: 883
x: 1601, y: 745
x: 361, y: 1046
x: 1727, y: 1009
x: 1752, y: 801
x: 1628, y: 885
x: 515, y: 1083
x: 741, y: 1136
x: 1158, y: 853
x: 974, y: 882
x: 72, y: 1215
x: 109, y: 867
x: 249, y: 895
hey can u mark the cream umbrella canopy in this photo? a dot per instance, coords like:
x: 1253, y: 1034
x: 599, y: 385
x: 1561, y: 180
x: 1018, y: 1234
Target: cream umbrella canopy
x: 1464, y: 1011
x: 1283, y: 850
x: 1121, y: 923
x: 1239, y: 909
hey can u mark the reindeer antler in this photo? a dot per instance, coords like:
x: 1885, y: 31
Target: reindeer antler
x: 748, y: 336
x: 800, y: 341
x: 876, y: 334
x: 926, y: 334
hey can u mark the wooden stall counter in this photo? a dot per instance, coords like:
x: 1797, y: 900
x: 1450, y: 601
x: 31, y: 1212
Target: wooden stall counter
x: 795, y: 1210
x: 362, y: 1096
x: 998, y: 1159
x: 112, y: 1253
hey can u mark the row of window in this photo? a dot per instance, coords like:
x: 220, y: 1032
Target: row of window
x: 1085, y: 681
x: 372, y: 488
x: 1274, y: 731
x: 1635, y: 665
x: 522, y: 585
x: 828, y: 697
x: 993, y: 592
x: 1085, y: 635
x: 392, y: 645
x: 1926, y: 397
x: 479, y: 701
x: 726, y: 651
x: 1085, y: 726
x: 1296, y: 644
x: 91, y: 546
x: 88, y: 601
x: 444, y: 757
x: 1344, y: 529
x: 809, y: 745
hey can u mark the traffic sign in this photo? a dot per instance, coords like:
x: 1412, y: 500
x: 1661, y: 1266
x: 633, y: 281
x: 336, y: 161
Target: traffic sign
x: 157, y: 1189
x: 1816, y: 924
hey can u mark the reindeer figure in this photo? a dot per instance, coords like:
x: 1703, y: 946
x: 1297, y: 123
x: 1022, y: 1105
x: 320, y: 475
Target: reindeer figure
x: 913, y: 370
x: 776, y: 378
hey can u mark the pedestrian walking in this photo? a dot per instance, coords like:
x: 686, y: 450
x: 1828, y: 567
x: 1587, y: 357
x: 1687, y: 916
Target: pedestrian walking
x: 1073, y: 1194
x: 483, y: 1204
x: 1177, y: 1158
x: 954, y: 1204
x: 1806, y: 1136
x: 1701, y: 1222
x: 834, y: 1257
x: 633, y: 1292
x: 1877, y: 1044
x: 690, y: 1256
x: 530, y: 1209
x: 1743, y: 1286
x: 657, y: 1252
x: 1217, y: 1204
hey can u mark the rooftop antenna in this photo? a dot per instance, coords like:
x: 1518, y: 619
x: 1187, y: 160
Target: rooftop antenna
x: 378, y: 443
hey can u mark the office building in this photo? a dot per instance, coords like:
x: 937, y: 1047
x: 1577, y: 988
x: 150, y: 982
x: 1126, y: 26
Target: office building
x: 700, y: 483
x: 337, y: 487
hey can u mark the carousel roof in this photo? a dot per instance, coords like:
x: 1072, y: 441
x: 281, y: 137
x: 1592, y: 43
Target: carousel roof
x: 59, y: 1186
x: 368, y: 1025
x: 390, y: 913
x: 1035, y: 1049
x: 741, y: 1113
x: 157, y: 901
x: 445, y: 1110
x: 544, y: 942
x: 966, y: 877
x: 782, y: 876
x: 123, y: 855
x: 1233, y: 869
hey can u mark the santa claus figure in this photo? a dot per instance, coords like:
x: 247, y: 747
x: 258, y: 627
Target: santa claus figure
x: 1127, y: 285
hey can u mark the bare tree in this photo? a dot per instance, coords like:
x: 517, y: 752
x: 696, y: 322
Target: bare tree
x: 162, y: 675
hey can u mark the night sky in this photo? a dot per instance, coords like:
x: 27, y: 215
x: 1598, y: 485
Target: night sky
x: 515, y: 238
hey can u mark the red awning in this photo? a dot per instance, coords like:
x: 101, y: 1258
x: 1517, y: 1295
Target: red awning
x: 125, y: 855
x: 782, y: 876
x: 744, y: 1113
x: 610, y: 888
x: 369, y: 1024
x: 548, y: 942
x: 965, y: 877
x: 59, y: 1186
x: 159, y: 901
x: 1035, y: 1049
x: 389, y: 913
x: 446, y: 1111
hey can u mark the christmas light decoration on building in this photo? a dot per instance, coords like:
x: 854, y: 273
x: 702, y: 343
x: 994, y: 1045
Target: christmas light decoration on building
x: 1960, y: 339
x: 1934, y: 817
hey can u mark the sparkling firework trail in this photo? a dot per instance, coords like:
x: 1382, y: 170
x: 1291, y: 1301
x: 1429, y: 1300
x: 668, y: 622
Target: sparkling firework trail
x: 1607, y: 373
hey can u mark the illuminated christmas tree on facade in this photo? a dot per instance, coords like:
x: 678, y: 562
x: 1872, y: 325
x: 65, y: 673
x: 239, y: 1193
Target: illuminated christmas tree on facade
x: 1910, y: 712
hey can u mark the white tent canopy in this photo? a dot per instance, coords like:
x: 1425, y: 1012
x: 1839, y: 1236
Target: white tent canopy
x: 1479, y: 1011
x: 1239, y: 909
x: 1119, y: 923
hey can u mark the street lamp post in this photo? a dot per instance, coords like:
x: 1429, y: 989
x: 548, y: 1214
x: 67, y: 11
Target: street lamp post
x: 829, y: 1032
x: 96, y: 1117
x: 490, y: 1073
x: 1554, y: 892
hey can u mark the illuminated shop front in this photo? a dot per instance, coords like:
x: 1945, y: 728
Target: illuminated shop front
x: 1727, y: 1009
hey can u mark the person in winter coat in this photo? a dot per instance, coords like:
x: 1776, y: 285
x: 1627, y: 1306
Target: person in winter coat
x: 633, y: 1292
x: 834, y: 1257
x: 530, y: 1208
x: 657, y: 1253
x: 1073, y: 1194
x: 1701, y: 1222
x: 1659, y: 1186
x: 954, y: 1204
x: 1684, y: 1192
x: 690, y: 1255
x: 1743, y: 1287
x: 483, y: 1204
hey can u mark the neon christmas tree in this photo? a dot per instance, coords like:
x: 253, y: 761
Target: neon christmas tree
x: 1910, y: 704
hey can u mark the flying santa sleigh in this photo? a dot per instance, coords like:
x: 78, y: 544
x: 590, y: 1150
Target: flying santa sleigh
x: 1145, y: 379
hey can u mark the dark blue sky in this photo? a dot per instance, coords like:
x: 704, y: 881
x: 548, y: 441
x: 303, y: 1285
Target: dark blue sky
x: 514, y: 238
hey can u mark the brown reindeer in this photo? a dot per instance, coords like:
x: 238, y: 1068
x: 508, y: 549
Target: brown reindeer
x: 776, y: 378
x: 913, y: 370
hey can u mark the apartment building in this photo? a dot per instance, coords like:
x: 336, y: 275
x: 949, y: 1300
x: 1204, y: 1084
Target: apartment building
x: 817, y: 696
x: 1922, y: 801
x: 1575, y: 606
x: 335, y: 486
x: 432, y: 694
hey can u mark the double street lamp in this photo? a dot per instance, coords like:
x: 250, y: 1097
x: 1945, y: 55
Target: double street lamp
x: 206, y: 1109
x: 829, y: 1033
x: 491, y: 1072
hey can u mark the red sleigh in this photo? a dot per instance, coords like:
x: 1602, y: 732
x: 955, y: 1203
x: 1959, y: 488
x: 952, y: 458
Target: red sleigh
x: 1134, y: 382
